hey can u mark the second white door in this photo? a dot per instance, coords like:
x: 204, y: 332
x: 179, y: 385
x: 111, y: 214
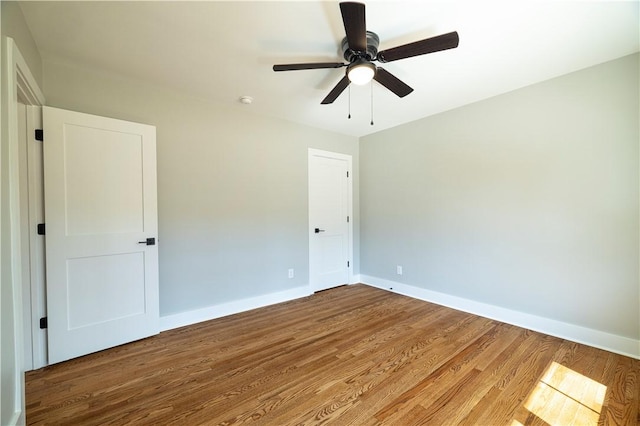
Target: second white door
x: 330, y: 252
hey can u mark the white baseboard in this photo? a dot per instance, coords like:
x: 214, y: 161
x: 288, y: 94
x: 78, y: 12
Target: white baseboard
x: 222, y: 310
x: 17, y: 418
x: 598, y: 339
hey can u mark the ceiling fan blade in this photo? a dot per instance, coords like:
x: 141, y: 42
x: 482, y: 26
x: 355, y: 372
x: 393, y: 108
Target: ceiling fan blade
x: 336, y: 91
x: 354, y: 25
x: 392, y: 82
x: 422, y: 47
x: 308, y: 66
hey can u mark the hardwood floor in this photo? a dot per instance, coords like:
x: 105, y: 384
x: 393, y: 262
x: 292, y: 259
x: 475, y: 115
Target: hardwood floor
x: 353, y: 355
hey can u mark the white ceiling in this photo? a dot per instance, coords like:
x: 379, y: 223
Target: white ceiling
x: 222, y: 50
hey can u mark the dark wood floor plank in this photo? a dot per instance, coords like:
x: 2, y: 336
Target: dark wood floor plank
x: 353, y: 355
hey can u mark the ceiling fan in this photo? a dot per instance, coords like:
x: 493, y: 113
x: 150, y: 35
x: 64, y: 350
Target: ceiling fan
x: 360, y: 49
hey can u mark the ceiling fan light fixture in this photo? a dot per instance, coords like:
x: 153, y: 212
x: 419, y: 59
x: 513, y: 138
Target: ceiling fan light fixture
x: 361, y: 72
x: 360, y: 49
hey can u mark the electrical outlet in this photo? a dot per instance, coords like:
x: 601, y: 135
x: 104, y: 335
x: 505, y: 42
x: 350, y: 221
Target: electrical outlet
x: 399, y: 270
x: 290, y: 273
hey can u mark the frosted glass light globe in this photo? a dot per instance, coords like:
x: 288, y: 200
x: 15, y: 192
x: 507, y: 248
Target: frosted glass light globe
x: 361, y: 72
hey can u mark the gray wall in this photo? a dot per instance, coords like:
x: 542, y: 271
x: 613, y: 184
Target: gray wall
x: 527, y: 201
x: 232, y: 186
x: 14, y: 26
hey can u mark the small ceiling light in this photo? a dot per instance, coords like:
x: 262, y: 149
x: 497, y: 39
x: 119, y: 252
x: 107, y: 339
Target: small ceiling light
x: 361, y: 71
x: 246, y: 100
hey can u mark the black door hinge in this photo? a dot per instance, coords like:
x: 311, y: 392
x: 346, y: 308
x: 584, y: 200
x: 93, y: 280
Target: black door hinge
x: 347, y: 174
x: 39, y: 135
x: 347, y: 219
x: 41, y: 229
x: 348, y: 265
x: 44, y: 323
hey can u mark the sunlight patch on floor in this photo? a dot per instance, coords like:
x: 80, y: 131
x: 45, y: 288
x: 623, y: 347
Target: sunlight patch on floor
x: 565, y: 397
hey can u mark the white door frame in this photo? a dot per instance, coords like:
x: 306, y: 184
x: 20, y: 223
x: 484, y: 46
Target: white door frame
x: 34, y: 288
x: 19, y: 82
x: 349, y: 160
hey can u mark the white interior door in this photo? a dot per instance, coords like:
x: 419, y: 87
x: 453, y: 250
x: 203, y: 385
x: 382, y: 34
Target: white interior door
x: 100, y: 202
x: 329, y: 219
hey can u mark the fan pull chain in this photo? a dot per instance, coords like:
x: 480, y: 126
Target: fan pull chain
x: 349, y: 117
x: 372, y: 102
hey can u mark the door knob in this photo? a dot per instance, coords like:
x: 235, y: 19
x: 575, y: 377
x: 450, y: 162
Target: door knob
x: 148, y: 241
x: 318, y: 230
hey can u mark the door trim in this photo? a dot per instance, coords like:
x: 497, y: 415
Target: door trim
x: 19, y: 83
x: 35, y: 285
x: 349, y: 159
x: 29, y: 93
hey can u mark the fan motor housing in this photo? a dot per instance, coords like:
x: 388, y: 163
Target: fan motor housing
x: 372, y: 48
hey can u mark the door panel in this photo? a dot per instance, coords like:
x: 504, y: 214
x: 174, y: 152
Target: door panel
x: 100, y: 202
x: 329, y: 209
x: 110, y: 277
x: 101, y: 198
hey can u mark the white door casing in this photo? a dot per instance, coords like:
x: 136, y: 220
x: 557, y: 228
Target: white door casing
x: 17, y: 84
x: 32, y: 214
x: 100, y: 203
x: 35, y: 287
x: 330, y: 219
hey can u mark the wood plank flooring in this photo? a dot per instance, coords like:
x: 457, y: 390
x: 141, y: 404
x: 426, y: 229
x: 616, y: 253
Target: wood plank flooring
x: 353, y: 355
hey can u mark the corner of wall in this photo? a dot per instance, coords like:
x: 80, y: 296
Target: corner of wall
x: 14, y: 25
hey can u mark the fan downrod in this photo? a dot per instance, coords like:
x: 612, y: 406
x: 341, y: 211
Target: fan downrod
x: 372, y: 49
